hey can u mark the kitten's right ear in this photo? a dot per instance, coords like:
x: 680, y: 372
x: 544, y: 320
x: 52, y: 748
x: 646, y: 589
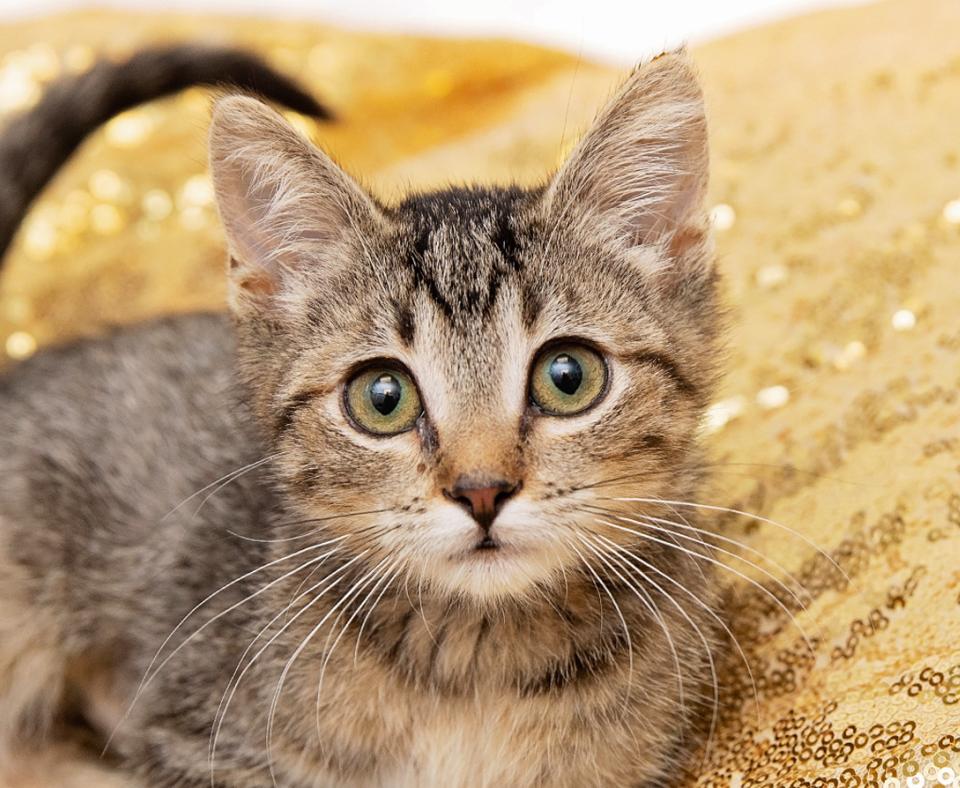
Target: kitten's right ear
x: 289, y: 212
x: 639, y: 175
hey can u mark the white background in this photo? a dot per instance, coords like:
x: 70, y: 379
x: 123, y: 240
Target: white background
x: 617, y: 30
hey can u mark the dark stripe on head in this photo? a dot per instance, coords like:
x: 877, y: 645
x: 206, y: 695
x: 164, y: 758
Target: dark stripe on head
x: 505, y: 239
x: 406, y: 327
x: 422, y: 279
x: 462, y: 244
x: 670, y: 368
x: 531, y: 306
x: 289, y: 411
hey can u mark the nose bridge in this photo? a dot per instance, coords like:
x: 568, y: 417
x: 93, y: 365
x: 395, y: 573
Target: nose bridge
x: 478, y: 414
x: 482, y: 448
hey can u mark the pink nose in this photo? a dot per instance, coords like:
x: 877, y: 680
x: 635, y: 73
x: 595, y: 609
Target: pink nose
x: 483, y: 499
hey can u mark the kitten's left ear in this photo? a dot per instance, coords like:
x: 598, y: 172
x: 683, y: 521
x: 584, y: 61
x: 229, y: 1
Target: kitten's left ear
x: 291, y: 215
x: 640, y: 174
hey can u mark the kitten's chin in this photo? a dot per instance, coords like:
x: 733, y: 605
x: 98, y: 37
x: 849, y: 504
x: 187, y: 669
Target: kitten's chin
x: 517, y: 556
x: 490, y: 574
x: 498, y: 568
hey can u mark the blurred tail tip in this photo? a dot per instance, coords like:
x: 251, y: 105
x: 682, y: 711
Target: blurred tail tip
x: 311, y: 107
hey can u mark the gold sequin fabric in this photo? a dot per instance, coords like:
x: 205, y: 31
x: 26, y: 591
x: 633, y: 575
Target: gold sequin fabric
x: 836, y: 202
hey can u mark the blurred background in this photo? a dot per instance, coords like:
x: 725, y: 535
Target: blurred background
x: 617, y: 30
x: 835, y: 196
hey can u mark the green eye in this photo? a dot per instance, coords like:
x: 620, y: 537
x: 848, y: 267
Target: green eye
x: 568, y: 379
x: 383, y: 400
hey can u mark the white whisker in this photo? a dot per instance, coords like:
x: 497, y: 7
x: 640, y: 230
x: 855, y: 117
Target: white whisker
x: 623, y: 621
x: 710, y: 611
x: 307, y: 521
x: 363, y: 624
x: 706, y: 646
x: 647, y: 601
x: 149, y: 676
x: 741, y: 545
x: 757, y: 517
x: 760, y: 586
x: 354, y: 590
x: 236, y: 679
x: 652, y: 525
x: 223, y: 480
x: 329, y: 649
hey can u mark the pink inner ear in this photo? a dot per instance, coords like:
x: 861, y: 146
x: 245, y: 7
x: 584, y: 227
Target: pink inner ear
x: 258, y: 285
x: 685, y: 239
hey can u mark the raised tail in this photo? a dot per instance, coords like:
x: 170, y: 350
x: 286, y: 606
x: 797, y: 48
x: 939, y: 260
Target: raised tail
x: 34, y: 145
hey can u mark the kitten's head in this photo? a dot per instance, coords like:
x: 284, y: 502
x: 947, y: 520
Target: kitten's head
x: 477, y: 370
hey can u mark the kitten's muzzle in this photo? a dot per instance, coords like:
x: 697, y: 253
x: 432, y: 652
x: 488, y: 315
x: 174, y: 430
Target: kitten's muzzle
x: 483, y: 499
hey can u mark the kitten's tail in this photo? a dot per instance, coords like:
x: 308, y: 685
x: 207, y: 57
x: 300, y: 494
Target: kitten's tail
x: 34, y: 145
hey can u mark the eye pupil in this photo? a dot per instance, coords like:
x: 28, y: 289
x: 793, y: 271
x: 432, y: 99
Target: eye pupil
x: 385, y: 393
x: 566, y: 373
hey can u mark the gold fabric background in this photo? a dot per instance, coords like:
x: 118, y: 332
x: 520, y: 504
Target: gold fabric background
x: 836, y: 176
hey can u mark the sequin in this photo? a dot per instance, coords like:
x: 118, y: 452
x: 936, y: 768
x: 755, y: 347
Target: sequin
x: 849, y: 207
x: 18, y: 88
x: 722, y: 216
x: 106, y: 185
x: 903, y: 320
x: 723, y: 412
x: 851, y: 353
x: 951, y: 212
x: 20, y: 345
x: 156, y: 205
x: 772, y: 275
x: 106, y: 219
x: 78, y: 58
x: 773, y: 397
x: 196, y: 192
x: 129, y: 129
x: 40, y: 237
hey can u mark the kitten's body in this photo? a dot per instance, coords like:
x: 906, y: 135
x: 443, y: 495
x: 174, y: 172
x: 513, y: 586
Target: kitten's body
x: 419, y: 666
x: 103, y: 576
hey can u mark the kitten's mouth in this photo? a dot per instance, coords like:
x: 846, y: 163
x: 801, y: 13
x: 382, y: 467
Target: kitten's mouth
x: 487, y: 549
x: 487, y: 543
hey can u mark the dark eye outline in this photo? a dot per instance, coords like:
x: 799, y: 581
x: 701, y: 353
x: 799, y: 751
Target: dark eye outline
x: 386, y: 365
x: 545, y: 348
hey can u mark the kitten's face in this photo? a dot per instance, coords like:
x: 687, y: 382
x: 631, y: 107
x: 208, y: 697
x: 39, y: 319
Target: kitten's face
x: 476, y: 371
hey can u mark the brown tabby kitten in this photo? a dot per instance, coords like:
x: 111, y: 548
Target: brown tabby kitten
x: 371, y: 531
